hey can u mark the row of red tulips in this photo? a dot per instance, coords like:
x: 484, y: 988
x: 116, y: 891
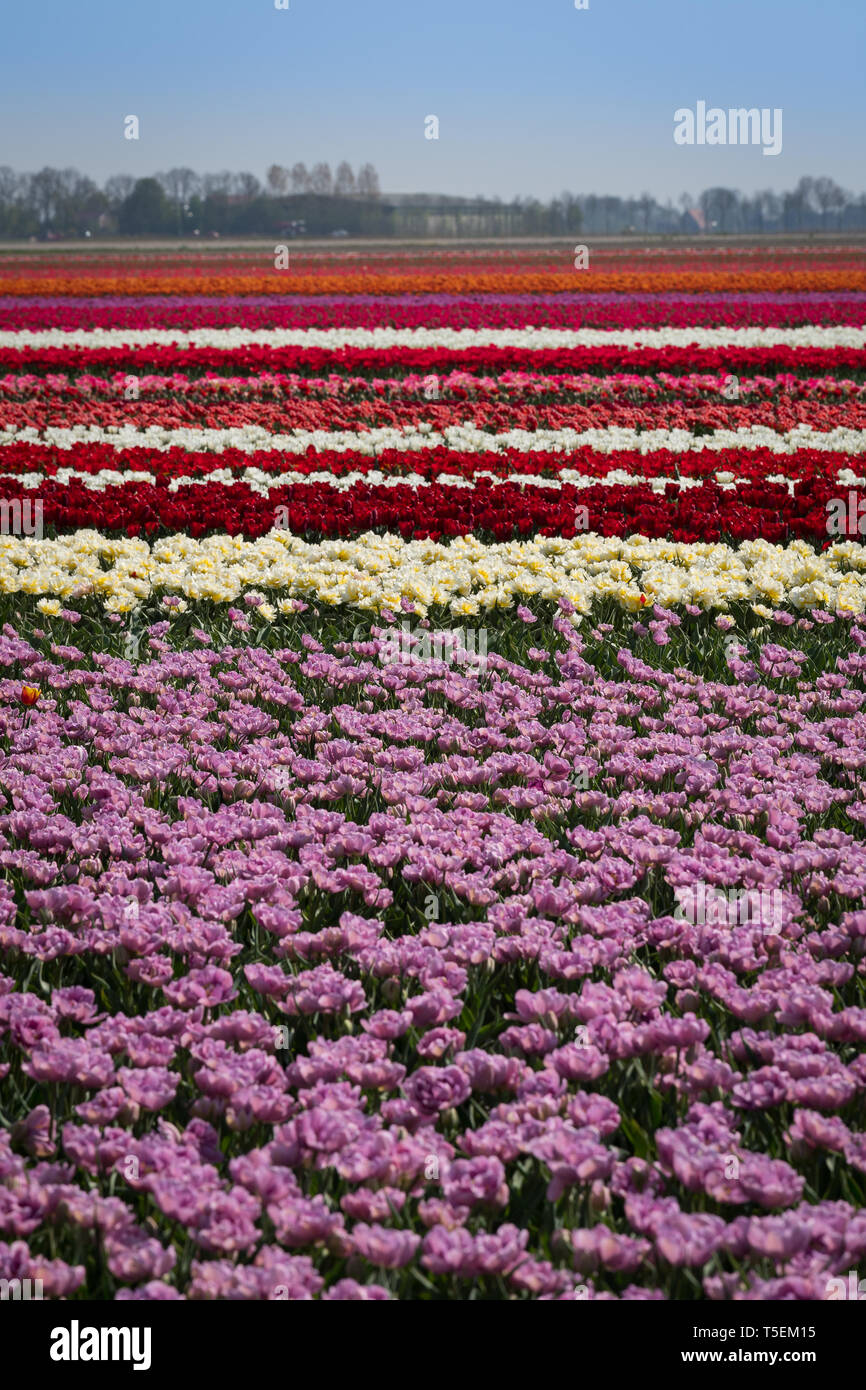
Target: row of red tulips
x: 751, y: 466
x: 499, y: 417
x: 414, y: 311
x: 401, y: 361
x: 706, y: 513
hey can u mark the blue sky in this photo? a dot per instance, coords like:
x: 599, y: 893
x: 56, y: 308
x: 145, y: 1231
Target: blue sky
x: 533, y: 96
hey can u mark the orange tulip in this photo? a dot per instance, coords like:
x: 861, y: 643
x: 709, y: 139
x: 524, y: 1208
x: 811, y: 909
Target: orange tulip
x: 29, y: 694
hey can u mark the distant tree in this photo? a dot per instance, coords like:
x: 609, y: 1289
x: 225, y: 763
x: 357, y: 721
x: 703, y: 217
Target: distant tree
x: 800, y: 202
x: 10, y: 184
x: 15, y: 215
x: 300, y: 178
x: 321, y: 179
x: 68, y: 180
x: 717, y: 205
x: 796, y: 204
x: 344, y: 181
x: 829, y: 197
x: 246, y: 186
x: 80, y: 204
x: 367, y: 183
x: 181, y: 184
x: 646, y: 203
x: 611, y: 209
x: 806, y: 190
x: 118, y: 187
x: 572, y: 217
x: 216, y: 183
x: 762, y: 209
x: 278, y: 180
x: 771, y: 205
x: 44, y: 193
x: 146, y: 210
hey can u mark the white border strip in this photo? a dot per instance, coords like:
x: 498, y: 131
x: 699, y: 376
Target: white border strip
x: 27, y: 339
x: 462, y: 438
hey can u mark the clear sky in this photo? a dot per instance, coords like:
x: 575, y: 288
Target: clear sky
x: 532, y: 96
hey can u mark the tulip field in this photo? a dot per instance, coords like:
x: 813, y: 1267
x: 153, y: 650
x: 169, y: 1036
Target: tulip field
x: 433, y: 773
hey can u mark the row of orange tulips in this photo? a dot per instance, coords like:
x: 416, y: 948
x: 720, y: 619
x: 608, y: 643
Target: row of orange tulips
x: 288, y: 281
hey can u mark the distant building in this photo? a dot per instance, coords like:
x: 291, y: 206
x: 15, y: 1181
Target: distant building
x: 693, y: 221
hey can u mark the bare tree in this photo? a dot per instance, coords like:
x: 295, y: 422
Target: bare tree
x: 190, y: 184
x: 246, y: 186
x: 216, y: 183
x: 278, y: 180
x: 792, y: 210
x: 829, y: 197
x: 367, y: 183
x: 344, y: 181
x: 717, y: 204
x: 180, y: 184
x: 300, y: 178
x: 321, y: 180
x: 118, y: 187
x: 612, y: 211
x: 768, y: 207
x: 68, y: 180
x: 805, y: 191
x: 646, y: 203
x: 13, y: 187
x: 44, y: 193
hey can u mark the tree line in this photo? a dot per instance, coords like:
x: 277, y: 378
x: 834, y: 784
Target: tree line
x: 297, y: 201
x: 57, y: 203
